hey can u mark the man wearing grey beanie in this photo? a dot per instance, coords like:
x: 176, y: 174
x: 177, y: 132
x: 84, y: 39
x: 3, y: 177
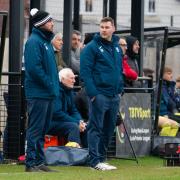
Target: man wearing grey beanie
x: 41, y: 87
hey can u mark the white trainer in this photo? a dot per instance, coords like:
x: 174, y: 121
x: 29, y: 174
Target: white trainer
x: 104, y: 167
x: 112, y: 167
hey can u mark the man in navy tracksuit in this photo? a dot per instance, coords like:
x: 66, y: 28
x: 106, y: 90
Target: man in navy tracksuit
x: 41, y: 88
x: 66, y: 121
x: 101, y: 72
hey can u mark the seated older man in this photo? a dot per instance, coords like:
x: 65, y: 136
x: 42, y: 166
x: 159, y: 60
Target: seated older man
x: 67, y: 121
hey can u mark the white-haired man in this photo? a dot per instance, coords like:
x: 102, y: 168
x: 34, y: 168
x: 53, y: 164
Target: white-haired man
x: 67, y: 121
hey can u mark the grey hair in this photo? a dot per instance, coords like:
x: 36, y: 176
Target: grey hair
x: 63, y: 73
x: 59, y: 34
x: 122, y: 37
x: 76, y: 32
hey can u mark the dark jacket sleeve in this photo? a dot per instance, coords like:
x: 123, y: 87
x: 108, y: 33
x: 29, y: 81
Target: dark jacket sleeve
x: 72, y: 115
x: 87, y: 62
x: 171, y: 105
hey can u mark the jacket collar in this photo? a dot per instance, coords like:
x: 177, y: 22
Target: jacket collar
x: 169, y: 83
x: 98, y: 38
x: 47, y: 35
x: 64, y: 88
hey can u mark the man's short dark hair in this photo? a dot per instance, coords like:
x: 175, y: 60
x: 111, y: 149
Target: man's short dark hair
x: 107, y: 19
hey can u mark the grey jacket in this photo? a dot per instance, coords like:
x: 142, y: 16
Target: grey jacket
x: 75, y: 60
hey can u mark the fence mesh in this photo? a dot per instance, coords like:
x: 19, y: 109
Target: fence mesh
x: 3, y: 114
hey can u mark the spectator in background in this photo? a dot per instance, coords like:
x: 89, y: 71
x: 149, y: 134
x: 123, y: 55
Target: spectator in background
x: 66, y: 121
x: 132, y: 54
x: 41, y: 87
x: 75, y: 51
x: 129, y: 73
x: 101, y: 72
x: 169, y: 127
x: 57, y: 43
x: 168, y: 104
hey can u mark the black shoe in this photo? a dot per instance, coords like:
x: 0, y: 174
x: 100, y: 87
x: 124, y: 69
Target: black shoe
x: 44, y: 168
x: 32, y: 169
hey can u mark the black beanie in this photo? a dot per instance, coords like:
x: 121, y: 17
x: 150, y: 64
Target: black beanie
x: 39, y: 18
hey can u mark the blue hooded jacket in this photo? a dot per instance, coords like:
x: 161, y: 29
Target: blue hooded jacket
x: 41, y: 75
x: 101, y: 67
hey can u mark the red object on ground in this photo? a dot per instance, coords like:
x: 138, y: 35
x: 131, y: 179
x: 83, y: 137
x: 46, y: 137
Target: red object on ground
x: 22, y: 158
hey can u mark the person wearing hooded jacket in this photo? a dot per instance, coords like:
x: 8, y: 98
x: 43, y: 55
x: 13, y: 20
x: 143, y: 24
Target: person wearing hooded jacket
x: 132, y: 59
x: 41, y: 87
x: 101, y: 72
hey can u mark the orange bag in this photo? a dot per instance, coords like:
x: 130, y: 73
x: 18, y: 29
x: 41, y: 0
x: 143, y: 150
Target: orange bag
x: 50, y: 141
